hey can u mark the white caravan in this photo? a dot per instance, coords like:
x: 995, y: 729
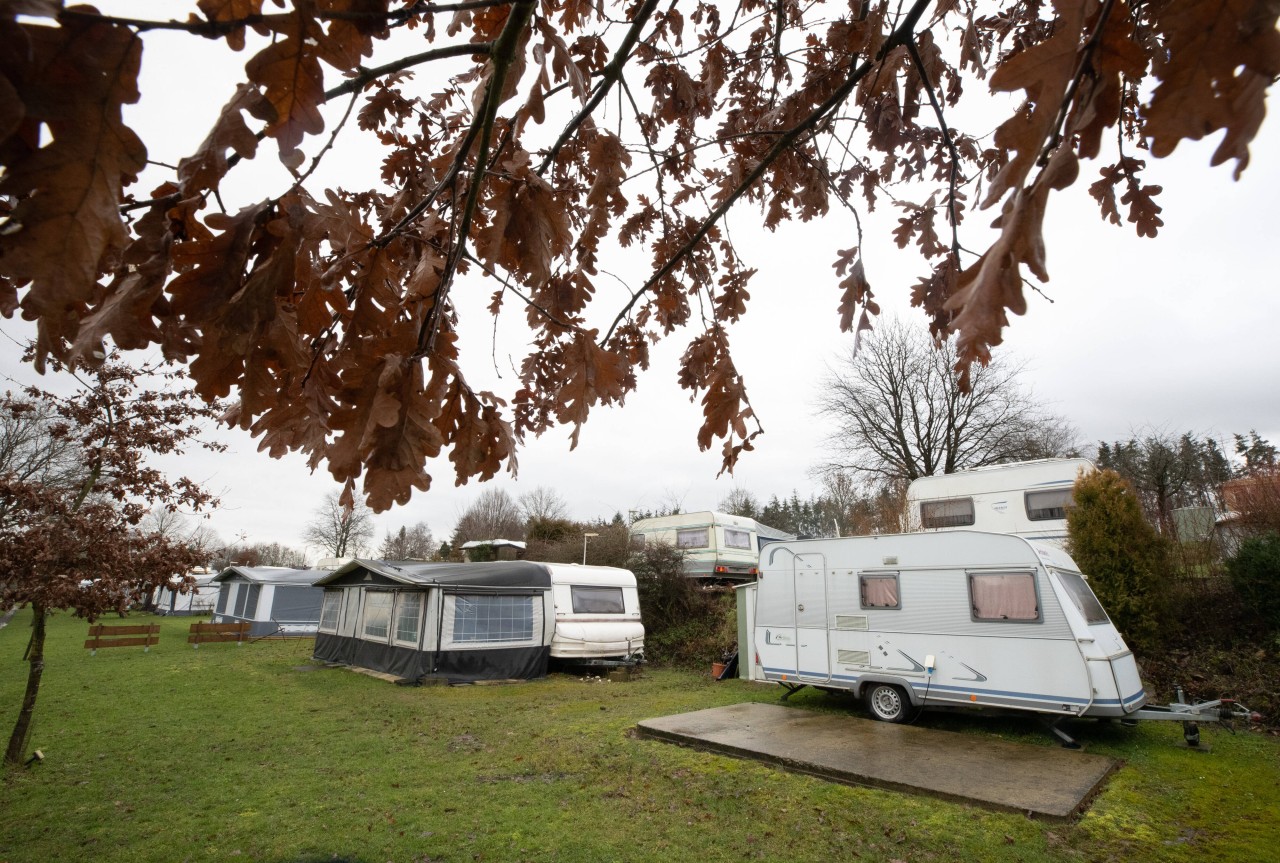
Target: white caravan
x: 953, y: 618
x: 714, y: 544
x: 1028, y: 499
x: 597, y: 612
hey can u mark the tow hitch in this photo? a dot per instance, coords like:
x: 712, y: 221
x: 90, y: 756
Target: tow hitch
x: 1224, y: 711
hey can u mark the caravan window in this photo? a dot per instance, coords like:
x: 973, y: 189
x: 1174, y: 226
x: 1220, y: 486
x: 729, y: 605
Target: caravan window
x: 953, y: 512
x: 329, y: 610
x: 737, y: 538
x: 694, y: 538
x: 597, y: 600
x: 637, y: 541
x: 483, y: 618
x: 879, y: 591
x: 377, y: 614
x: 1082, y: 597
x: 1004, y: 596
x: 223, y: 592
x: 409, y: 616
x: 1050, y: 505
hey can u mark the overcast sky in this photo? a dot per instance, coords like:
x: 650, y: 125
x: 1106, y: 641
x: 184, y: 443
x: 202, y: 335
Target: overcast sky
x: 1176, y: 333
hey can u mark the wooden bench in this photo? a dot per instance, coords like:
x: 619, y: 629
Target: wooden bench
x: 129, y: 635
x: 211, y: 633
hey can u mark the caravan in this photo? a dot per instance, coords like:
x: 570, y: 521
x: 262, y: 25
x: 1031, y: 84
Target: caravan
x: 950, y: 619
x: 1028, y: 499
x: 954, y: 618
x: 714, y: 544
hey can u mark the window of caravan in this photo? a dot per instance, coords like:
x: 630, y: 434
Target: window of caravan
x: 597, y: 600
x: 879, y: 591
x: 737, y: 538
x: 1048, y: 505
x: 329, y: 610
x: 377, y: 614
x: 1082, y: 597
x: 483, y: 618
x: 409, y: 616
x: 953, y: 512
x: 692, y: 538
x: 1003, y: 596
x: 637, y: 541
x: 251, y: 605
x: 223, y: 592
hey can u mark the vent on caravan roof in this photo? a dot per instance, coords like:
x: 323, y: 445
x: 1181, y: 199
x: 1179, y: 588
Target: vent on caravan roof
x: 851, y: 621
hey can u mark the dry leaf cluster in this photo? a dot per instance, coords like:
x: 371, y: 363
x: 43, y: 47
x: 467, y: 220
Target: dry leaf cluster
x: 328, y: 314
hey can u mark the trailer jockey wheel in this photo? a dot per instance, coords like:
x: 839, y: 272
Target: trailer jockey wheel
x: 888, y: 703
x: 1191, y: 733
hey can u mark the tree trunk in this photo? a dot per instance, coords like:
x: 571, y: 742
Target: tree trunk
x: 22, y: 730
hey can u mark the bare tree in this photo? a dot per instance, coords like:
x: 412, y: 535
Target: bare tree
x: 414, y: 543
x: 339, y: 529
x: 543, y: 504
x: 494, y: 515
x: 897, y: 411
x: 739, y: 501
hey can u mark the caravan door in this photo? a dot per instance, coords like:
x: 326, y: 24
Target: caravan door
x: 812, y: 648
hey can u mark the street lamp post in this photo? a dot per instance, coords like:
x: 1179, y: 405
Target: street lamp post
x: 584, y: 546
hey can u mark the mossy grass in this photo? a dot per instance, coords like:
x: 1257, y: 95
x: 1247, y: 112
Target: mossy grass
x: 254, y: 753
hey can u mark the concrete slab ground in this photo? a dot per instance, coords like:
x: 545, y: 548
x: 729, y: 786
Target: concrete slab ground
x: 1043, y: 781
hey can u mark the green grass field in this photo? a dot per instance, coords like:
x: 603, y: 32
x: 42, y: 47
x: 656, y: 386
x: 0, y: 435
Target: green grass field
x: 253, y: 753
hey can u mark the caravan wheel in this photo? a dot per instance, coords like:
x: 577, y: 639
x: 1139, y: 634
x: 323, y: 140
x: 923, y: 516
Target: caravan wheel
x: 888, y: 703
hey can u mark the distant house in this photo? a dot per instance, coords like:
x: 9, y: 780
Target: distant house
x: 1253, y: 507
x: 276, y: 600
x: 481, y: 550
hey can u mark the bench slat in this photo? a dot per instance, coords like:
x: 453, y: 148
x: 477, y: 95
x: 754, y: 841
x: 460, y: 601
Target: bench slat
x: 147, y: 641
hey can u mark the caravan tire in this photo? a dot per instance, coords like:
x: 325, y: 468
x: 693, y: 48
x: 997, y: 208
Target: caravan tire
x: 888, y: 703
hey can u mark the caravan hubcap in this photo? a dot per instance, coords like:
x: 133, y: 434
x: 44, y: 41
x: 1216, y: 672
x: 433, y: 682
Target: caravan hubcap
x: 886, y: 702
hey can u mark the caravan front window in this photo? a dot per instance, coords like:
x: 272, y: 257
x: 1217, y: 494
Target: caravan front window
x: 597, y: 600
x: 736, y: 538
x: 1050, y: 505
x: 1082, y: 597
x: 1004, y: 596
x: 692, y: 538
x: 953, y: 512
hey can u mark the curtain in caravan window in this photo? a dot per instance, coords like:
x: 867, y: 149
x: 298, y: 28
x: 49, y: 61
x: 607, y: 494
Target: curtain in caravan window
x: 692, y: 538
x: 954, y: 512
x: 879, y: 591
x: 1049, y: 505
x: 1003, y: 596
x: 737, y: 538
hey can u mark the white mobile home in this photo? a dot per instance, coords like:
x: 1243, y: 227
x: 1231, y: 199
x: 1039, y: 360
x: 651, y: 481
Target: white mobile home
x: 276, y: 600
x: 1028, y: 499
x: 476, y: 621
x: 715, y: 544
x: 200, y: 598
x: 951, y: 618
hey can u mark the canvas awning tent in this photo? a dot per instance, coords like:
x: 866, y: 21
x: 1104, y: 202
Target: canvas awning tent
x: 276, y: 600
x: 460, y: 621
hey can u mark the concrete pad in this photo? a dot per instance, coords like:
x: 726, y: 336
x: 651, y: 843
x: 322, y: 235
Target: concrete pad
x: 1044, y: 781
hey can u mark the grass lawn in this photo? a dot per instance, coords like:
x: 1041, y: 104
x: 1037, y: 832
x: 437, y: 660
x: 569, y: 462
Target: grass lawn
x: 252, y: 753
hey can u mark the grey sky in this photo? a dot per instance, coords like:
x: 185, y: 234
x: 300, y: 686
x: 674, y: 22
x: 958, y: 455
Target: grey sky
x: 1175, y: 332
